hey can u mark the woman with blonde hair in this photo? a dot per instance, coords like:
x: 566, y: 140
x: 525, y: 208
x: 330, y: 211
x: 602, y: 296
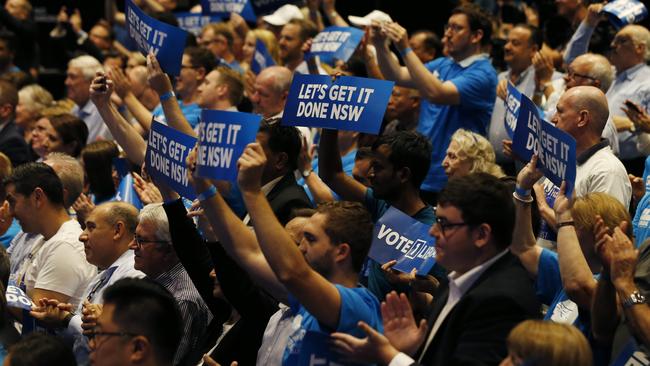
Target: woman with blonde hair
x: 269, y: 40
x: 469, y: 152
x: 544, y: 343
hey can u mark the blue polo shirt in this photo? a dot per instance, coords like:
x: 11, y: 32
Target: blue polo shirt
x: 641, y: 221
x: 476, y: 81
x: 192, y: 113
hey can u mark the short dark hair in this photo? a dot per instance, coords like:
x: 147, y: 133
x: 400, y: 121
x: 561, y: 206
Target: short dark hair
x: 72, y: 131
x: 286, y: 139
x: 38, y: 349
x: 8, y: 94
x: 478, y: 19
x: 536, y: 35
x: 27, y: 177
x: 146, y: 308
x: 431, y: 41
x: 201, y: 57
x: 307, y: 28
x: 98, y: 164
x: 408, y: 149
x: 483, y: 198
x: 349, y: 222
x: 364, y: 153
x: 235, y: 83
x: 9, y: 38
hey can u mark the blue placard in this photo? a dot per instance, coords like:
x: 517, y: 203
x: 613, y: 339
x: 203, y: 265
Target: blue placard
x: 16, y: 297
x: 194, y: 22
x: 223, y: 136
x: 163, y: 40
x: 551, y: 191
x: 316, y: 350
x: 335, y: 43
x: 624, y: 12
x: 512, y: 103
x: 347, y: 103
x: 167, y: 149
x: 261, y: 58
x: 632, y: 355
x: 555, y: 148
x: 223, y: 8
x: 126, y: 192
x: 397, y: 236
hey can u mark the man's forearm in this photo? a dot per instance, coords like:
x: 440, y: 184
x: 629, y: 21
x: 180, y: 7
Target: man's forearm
x: 604, y: 312
x: 175, y: 117
x: 391, y: 68
x: 125, y: 135
x: 139, y: 111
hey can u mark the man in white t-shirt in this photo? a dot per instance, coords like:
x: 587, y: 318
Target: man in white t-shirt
x: 56, y: 267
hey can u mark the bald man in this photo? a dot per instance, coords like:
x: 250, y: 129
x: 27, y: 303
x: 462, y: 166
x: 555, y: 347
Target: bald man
x: 582, y: 112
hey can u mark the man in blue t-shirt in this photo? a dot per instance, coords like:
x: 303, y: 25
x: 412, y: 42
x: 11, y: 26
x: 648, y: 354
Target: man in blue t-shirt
x: 457, y: 91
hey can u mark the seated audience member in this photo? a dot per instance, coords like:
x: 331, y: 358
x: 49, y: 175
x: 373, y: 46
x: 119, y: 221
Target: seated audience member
x: 32, y: 99
x: 250, y: 44
x: 362, y: 162
x: 620, y: 310
x: 402, y: 111
x: 56, y: 267
x: 97, y: 159
x: 218, y: 38
x: 12, y: 142
x: 56, y: 132
x: 319, y: 285
x: 487, y: 295
x: 469, y: 152
x: 292, y: 37
x: 537, y: 343
x: 9, y: 227
x: 140, y: 324
x: 39, y: 349
x: 109, y: 231
x: 641, y: 199
x: 155, y: 256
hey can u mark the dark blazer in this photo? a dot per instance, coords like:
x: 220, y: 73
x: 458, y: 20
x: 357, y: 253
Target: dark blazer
x: 475, y: 331
x: 286, y: 196
x: 12, y: 144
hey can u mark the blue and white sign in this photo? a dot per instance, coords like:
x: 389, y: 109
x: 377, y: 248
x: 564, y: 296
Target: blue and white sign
x: 167, y: 149
x: 223, y: 136
x: 624, y: 12
x: 512, y: 103
x: 163, y: 40
x: 335, y: 43
x: 126, y: 192
x: 316, y: 350
x: 551, y: 191
x: 555, y: 148
x: 261, y: 58
x: 397, y: 236
x: 194, y: 22
x: 223, y: 8
x: 632, y: 355
x: 16, y: 297
x: 347, y: 103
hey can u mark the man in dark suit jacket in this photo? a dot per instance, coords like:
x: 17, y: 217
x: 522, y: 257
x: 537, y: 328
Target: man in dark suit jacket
x: 488, y: 292
x: 12, y: 142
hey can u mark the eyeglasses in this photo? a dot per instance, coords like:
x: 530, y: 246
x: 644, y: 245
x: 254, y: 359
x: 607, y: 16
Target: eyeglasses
x: 573, y: 75
x: 139, y: 241
x: 455, y: 28
x: 620, y: 41
x: 443, y: 224
x: 94, y: 334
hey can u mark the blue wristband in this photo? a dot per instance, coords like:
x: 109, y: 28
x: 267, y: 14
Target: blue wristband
x: 210, y: 192
x: 167, y: 96
x: 405, y: 51
x: 522, y: 192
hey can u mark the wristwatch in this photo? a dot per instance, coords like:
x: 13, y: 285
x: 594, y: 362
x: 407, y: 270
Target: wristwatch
x: 306, y: 173
x: 635, y: 298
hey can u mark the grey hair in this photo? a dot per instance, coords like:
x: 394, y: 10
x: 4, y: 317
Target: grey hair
x: 600, y: 69
x: 70, y: 172
x: 478, y: 150
x: 35, y: 98
x: 88, y: 65
x: 641, y: 35
x: 155, y: 214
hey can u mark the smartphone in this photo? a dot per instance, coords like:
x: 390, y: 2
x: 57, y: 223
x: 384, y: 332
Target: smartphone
x: 103, y: 87
x: 632, y: 106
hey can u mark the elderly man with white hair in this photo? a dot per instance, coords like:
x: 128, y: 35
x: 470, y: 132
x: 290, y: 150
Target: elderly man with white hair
x: 80, y: 73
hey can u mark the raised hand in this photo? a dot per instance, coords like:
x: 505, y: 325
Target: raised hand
x: 375, y: 348
x: 157, y: 79
x: 101, y: 89
x: 251, y: 166
x: 529, y: 175
x: 399, y: 324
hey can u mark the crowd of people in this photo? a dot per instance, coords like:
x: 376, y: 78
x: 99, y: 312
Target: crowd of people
x: 266, y: 269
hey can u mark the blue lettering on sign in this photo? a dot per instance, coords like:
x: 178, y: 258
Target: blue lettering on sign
x: 512, y: 109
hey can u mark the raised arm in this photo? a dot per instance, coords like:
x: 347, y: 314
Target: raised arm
x: 125, y: 135
x: 161, y: 84
x: 123, y: 89
x: 388, y: 63
x: 331, y: 171
x: 319, y: 190
x: 523, y: 239
x: 320, y: 297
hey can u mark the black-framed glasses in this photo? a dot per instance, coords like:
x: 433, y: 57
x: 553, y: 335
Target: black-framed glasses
x: 573, y: 75
x: 92, y: 335
x: 443, y: 224
x: 139, y: 241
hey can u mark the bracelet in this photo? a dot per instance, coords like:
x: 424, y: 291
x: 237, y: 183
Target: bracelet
x: 566, y: 223
x: 208, y: 193
x: 167, y: 96
x: 525, y: 199
x: 405, y: 51
x: 522, y: 192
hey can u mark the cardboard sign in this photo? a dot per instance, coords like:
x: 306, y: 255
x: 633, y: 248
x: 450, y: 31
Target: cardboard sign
x: 167, y: 149
x: 347, y: 103
x: 126, y: 192
x: 150, y: 35
x: 555, y: 148
x: 194, y: 22
x: 16, y: 297
x: 223, y: 8
x: 512, y: 102
x: 335, y: 43
x: 397, y: 236
x: 624, y: 12
x: 261, y: 58
x: 223, y: 136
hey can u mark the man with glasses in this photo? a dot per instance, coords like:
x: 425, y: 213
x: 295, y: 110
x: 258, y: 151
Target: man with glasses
x: 218, y: 38
x: 140, y: 325
x: 488, y: 293
x: 155, y: 256
x: 457, y: 91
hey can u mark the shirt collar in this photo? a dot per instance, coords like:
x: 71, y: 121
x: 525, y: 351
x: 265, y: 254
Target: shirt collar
x: 591, y: 151
x: 126, y: 257
x: 630, y: 73
x: 466, y: 280
x: 471, y: 59
x: 268, y: 187
x: 522, y: 76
